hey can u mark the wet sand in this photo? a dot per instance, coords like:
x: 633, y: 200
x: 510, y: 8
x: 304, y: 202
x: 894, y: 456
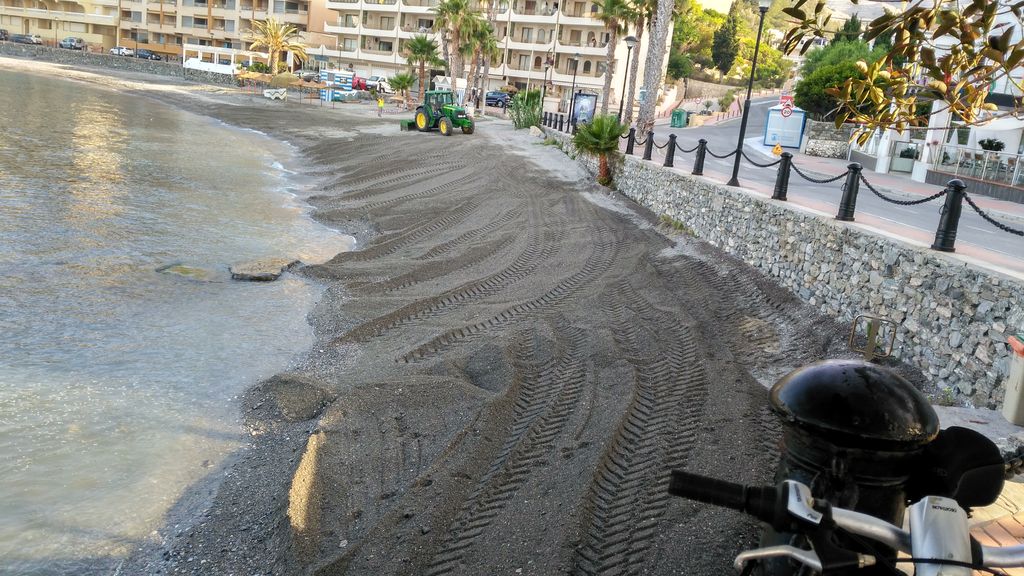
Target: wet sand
x: 507, y: 368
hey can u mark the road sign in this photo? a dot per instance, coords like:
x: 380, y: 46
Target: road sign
x: 786, y: 100
x: 787, y: 111
x: 777, y: 150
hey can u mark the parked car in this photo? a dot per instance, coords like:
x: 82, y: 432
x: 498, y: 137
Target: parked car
x: 147, y: 54
x: 308, y: 75
x: 72, y: 43
x: 497, y: 98
x: 122, y: 51
x: 4, y: 35
x: 26, y: 39
x: 379, y: 83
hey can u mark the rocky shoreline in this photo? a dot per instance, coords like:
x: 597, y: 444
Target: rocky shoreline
x: 504, y: 372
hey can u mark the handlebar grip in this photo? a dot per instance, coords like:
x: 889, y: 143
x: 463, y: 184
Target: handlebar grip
x: 762, y: 503
x: 708, y: 490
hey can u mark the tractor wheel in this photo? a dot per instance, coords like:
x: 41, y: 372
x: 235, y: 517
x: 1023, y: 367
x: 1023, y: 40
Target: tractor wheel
x: 422, y: 122
x: 468, y: 128
x: 445, y: 126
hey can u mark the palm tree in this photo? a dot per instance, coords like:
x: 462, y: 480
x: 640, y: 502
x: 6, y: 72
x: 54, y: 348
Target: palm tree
x: 453, y: 16
x: 420, y: 50
x: 490, y: 52
x: 276, y: 37
x: 641, y: 13
x: 477, y: 33
x: 402, y: 82
x: 661, y: 21
x: 600, y: 137
x: 614, y: 14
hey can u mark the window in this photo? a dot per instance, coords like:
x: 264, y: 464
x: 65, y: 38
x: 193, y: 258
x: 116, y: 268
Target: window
x: 199, y: 22
x: 526, y: 35
x: 537, y: 63
x: 349, y: 44
x: 350, y: 21
x: 229, y: 25
x: 524, y: 62
x: 386, y: 46
x: 186, y: 21
x: 387, y: 22
x: 586, y: 67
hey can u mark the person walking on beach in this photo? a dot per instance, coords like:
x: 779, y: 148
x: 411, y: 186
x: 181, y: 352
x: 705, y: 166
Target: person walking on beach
x: 380, y: 106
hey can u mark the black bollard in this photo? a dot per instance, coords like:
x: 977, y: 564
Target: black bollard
x: 649, y: 145
x: 630, y: 141
x: 854, y: 432
x: 544, y: 120
x: 698, y: 162
x: 782, y: 177
x: 849, y: 202
x: 670, y: 151
x: 561, y: 120
x: 945, y: 235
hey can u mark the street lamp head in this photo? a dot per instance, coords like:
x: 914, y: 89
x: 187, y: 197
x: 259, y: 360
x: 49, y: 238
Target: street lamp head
x: 764, y: 5
x: 576, y: 56
x: 630, y: 41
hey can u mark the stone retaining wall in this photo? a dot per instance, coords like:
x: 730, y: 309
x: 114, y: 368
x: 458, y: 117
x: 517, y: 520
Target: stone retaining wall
x: 100, y: 60
x: 827, y: 141
x: 953, y: 317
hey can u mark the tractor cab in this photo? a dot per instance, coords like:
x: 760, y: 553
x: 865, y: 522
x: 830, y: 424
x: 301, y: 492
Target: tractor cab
x: 436, y: 100
x: 440, y: 111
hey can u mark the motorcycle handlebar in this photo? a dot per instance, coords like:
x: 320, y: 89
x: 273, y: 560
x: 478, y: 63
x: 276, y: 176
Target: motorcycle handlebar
x: 762, y: 502
x: 768, y: 504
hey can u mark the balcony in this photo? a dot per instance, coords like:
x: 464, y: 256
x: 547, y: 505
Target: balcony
x: 537, y: 16
x: 418, y: 6
x: 408, y: 31
x: 101, y: 19
x: 293, y: 16
x: 601, y: 49
x: 352, y: 5
x: 565, y: 77
x: 578, y: 19
x: 380, y: 5
x: 528, y: 46
x: 372, y: 29
x: 165, y: 7
x: 341, y: 28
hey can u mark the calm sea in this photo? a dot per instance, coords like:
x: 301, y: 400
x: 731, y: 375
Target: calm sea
x: 118, y: 383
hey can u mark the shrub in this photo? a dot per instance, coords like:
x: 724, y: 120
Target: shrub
x: 991, y: 144
x: 524, y: 109
x: 810, y: 92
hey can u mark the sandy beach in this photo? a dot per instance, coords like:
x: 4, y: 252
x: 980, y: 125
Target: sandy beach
x: 507, y: 367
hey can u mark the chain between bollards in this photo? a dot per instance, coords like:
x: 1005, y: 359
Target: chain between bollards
x: 698, y: 162
x: 782, y: 177
x: 630, y: 141
x: 945, y: 235
x: 850, y: 188
x: 649, y: 145
x: 670, y: 152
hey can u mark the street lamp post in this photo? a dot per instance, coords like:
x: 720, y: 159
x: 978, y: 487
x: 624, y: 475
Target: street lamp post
x: 630, y: 42
x: 572, y: 91
x: 762, y: 6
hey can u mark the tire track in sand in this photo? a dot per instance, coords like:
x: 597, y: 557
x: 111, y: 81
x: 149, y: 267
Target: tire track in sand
x: 627, y: 497
x: 546, y: 398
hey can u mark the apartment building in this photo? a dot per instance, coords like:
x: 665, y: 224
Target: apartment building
x: 162, y: 26
x: 538, y: 39
x: 93, y: 20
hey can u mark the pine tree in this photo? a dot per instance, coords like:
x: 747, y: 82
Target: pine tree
x: 726, y: 43
x: 850, y: 31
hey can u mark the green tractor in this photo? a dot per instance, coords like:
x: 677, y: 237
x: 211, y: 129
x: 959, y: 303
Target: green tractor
x: 439, y: 111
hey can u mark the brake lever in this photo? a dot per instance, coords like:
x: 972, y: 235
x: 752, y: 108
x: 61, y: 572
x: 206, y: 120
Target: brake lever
x: 806, y: 557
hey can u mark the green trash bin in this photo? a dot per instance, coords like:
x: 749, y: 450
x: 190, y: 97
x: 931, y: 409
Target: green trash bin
x: 678, y: 119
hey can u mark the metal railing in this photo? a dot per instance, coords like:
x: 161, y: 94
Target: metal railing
x: 955, y: 191
x: 988, y: 166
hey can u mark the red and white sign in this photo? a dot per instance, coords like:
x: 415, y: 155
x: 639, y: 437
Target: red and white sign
x: 786, y: 101
x: 787, y: 111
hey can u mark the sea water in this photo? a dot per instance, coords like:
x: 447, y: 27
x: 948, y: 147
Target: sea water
x: 124, y: 344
